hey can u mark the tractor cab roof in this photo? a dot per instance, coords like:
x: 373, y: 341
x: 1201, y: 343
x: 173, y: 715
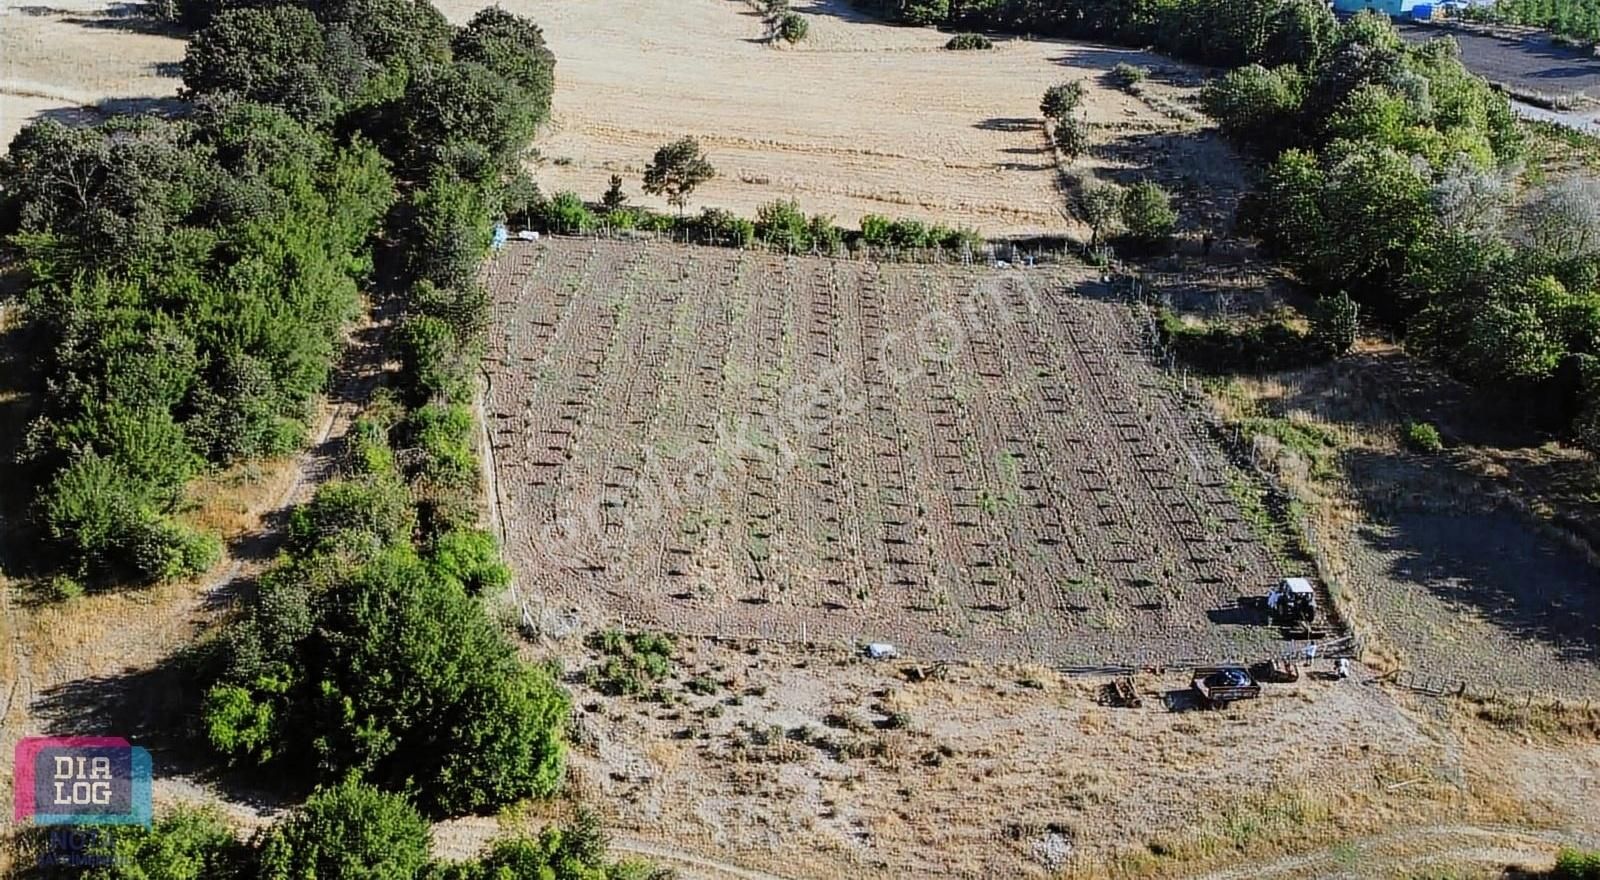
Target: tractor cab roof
x: 1298, y: 585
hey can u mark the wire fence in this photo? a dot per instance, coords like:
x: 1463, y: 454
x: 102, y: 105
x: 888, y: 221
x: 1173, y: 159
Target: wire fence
x: 988, y: 253
x: 1241, y: 447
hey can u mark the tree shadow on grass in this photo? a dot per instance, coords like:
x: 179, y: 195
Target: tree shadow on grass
x: 1009, y: 123
x: 1199, y: 170
x: 1477, y: 556
x: 1103, y: 58
x: 157, y: 708
x: 165, y: 108
x: 136, y: 18
x: 152, y: 707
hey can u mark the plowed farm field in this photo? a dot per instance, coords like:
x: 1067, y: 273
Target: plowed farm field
x: 964, y: 461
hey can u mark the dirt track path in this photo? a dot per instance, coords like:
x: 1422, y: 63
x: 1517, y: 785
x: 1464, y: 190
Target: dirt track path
x: 1412, y: 849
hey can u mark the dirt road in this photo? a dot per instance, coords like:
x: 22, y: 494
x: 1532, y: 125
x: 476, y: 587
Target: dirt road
x: 1531, y: 63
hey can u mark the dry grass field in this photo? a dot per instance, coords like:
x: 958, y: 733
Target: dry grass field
x: 1466, y: 564
x: 860, y: 118
x: 968, y: 461
x: 774, y: 762
x: 74, y: 58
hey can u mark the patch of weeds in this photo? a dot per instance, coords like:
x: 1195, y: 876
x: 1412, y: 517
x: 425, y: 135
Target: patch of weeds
x: 1126, y: 76
x: 630, y: 661
x: 1271, y: 523
x: 1422, y: 437
x: 701, y: 685
x: 1316, y: 444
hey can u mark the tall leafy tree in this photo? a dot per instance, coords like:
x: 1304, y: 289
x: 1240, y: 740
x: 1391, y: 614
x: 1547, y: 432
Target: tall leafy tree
x: 677, y: 170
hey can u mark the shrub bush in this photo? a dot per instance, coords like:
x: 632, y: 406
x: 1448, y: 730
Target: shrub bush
x: 443, y: 435
x: 724, y: 227
x: 629, y: 661
x: 163, y: 550
x: 450, y: 233
x: 1575, y: 864
x: 792, y: 27
x: 875, y: 230
x: 565, y: 213
x: 361, y: 515
x: 471, y: 558
x: 964, y: 42
x: 781, y: 225
x: 1072, y: 137
x: 1126, y: 76
x: 1335, y: 324
x: 189, y: 843
x: 1061, y: 100
x: 1147, y: 212
x: 825, y: 235
x: 1423, y: 437
x: 350, y: 830
x: 433, y: 363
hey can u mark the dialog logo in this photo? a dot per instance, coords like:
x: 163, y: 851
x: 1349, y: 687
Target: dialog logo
x: 81, y: 780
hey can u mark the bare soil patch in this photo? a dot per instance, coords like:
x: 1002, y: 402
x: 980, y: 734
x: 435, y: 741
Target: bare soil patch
x: 962, y: 460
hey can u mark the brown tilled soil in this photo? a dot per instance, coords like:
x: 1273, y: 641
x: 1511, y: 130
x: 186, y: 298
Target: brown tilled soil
x: 965, y: 461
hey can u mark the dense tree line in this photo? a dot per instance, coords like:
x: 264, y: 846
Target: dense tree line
x: 193, y: 278
x: 1391, y: 178
x: 190, y: 278
x: 1573, y: 19
x: 1219, y: 32
x: 348, y: 831
x: 366, y: 651
x: 189, y: 281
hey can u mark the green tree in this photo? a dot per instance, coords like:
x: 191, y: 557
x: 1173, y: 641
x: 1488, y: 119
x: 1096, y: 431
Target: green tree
x: 1335, y: 323
x: 513, y: 47
x: 273, y: 55
x: 1300, y: 33
x: 676, y: 171
x: 614, y: 198
x: 349, y: 831
x: 1256, y: 106
x: 1100, y: 207
x: 1071, y: 137
x: 1147, y: 211
x: 189, y: 843
x: 463, y: 118
x: 791, y: 27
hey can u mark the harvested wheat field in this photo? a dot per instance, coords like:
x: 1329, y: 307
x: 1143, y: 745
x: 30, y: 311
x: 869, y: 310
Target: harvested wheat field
x: 959, y: 459
x: 861, y: 118
x: 77, y: 59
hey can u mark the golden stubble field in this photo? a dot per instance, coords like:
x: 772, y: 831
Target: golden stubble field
x: 861, y: 118
x: 64, y: 56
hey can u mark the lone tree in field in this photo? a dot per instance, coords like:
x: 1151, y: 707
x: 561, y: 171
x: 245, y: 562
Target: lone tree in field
x: 676, y: 170
x: 614, y: 197
x: 1147, y: 212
